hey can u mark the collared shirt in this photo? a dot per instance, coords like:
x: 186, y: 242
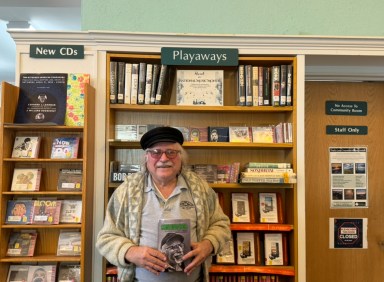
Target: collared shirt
x: 179, y: 205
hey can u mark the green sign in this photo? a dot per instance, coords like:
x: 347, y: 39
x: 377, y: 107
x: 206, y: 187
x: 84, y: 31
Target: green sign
x: 346, y: 108
x: 199, y: 56
x: 346, y: 130
x: 57, y: 51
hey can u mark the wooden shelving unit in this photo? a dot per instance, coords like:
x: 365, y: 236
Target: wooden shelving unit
x: 217, y: 153
x: 46, y: 246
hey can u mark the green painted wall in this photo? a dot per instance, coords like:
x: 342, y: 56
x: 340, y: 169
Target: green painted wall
x: 282, y: 17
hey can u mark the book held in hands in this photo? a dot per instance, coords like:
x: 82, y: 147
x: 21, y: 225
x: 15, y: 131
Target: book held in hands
x: 174, y: 240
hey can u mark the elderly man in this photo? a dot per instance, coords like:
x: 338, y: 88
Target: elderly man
x: 165, y: 189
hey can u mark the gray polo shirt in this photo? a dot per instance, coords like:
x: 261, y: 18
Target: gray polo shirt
x: 155, y: 207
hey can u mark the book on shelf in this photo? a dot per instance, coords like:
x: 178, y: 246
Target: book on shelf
x: 162, y: 84
x: 148, y: 84
x: 46, y: 211
x: 42, y: 98
x: 70, y: 179
x: 127, y: 83
x: 242, y: 207
x: 248, y: 85
x: 227, y: 254
x: 268, y: 208
x: 26, y: 147
x: 22, y: 243
x: 255, y: 86
x: 266, y: 86
x: 218, y: 134
x: 206, y: 171
x: 69, y: 243
x: 68, y: 272
x: 19, y: 211
x: 126, y: 132
x: 155, y: 81
x: 113, y: 68
x: 267, y: 174
x: 18, y: 273
x: 174, y: 240
x: 273, y: 249
x: 75, y: 111
x: 241, y: 86
x: 198, y: 134
x: 65, y: 147
x: 263, y: 134
x: 283, y: 85
x: 185, y: 131
x: 275, y: 85
x: 120, y: 170
x: 277, y: 180
x: 71, y: 211
x: 141, y: 85
x: 239, y: 134
x: 134, y: 83
x: 268, y: 165
x: 247, y: 250
x: 268, y: 170
x: 26, y: 179
x: 200, y: 87
x: 223, y: 173
x: 234, y: 173
x: 261, y: 86
x: 42, y: 272
x: 289, y: 85
x: 120, y: 82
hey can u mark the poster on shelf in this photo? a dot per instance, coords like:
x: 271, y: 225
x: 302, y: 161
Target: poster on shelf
x: 348, y: 177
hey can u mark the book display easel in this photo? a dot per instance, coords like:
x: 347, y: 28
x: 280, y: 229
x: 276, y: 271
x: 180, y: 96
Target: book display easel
x: 47, y: 234
x: 231, y: 113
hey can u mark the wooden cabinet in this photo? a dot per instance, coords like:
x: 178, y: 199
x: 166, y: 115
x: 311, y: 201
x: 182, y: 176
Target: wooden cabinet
x: 47, y: 238
x: 217, y: 152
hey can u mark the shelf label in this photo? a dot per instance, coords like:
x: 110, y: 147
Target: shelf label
x: 346, y: 130
x: 56, y: 51
x: 199, y: 56
x: 346, y: 108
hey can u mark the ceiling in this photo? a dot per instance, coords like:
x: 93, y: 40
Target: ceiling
x: 50, y: 15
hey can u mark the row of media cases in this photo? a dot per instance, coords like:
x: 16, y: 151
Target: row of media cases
x: 143, y: 83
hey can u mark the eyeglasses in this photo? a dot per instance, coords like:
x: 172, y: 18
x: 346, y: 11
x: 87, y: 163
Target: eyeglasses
x: 157, y: 153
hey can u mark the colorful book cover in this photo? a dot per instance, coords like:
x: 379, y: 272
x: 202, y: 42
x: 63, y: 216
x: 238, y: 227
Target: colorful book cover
x: 42, y: 98
x: 65, y: 147
x: 19, y: 212
x: 22, y: 243
x: 46, y: 211
x: 75, y: 98
x: 26, y: 179
x: 26, y: 147
x: 239, y: 134
x: 218, y: 134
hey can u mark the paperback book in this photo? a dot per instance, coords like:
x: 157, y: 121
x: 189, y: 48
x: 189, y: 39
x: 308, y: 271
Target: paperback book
x: 273, y: 249
x: 268, y: 208
x: 19, y: 212
x: 65, y: 147
x: 241, y: 207
x: 71, y: 211
x: 26, y: 179
x: 46, y: 211
x: 174, y: 237
x: 22, y: 243
x: 42, y: 98
x: 26, y: 147
x: 70, y: 179
x: 246, y: 248
x: 69, y: 243
x: 75, y: 111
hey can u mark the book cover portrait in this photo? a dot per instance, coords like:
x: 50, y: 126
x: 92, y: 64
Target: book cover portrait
x: 42, y: 98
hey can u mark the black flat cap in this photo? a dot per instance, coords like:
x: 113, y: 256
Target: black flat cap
x: 161, y: 134
x: 171, y: 237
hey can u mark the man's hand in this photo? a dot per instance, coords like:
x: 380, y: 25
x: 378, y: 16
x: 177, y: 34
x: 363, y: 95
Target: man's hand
x: 200, y: 252
x: 148, y: 258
